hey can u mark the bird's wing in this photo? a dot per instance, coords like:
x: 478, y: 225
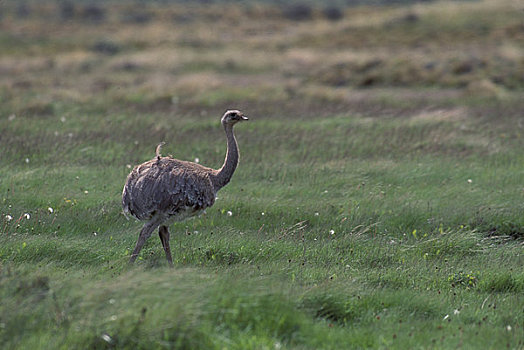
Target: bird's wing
x: 189, y: 187
x: 167, y: 187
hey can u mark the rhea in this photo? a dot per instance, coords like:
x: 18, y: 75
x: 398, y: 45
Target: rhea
x: 165, y: 189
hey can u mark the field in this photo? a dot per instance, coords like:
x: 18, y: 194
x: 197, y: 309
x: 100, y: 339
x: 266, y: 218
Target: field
x: 378, y: 203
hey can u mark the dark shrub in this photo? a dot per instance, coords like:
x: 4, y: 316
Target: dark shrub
x: 67, y: 10
x: 298, y: 12
x: 93, y: 13
x: 128, y: 67
x: 410, y: 18
x: 137, y: 17
x: 468, y: 65
x: 333, y: 13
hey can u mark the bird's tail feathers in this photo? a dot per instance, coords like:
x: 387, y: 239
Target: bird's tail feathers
x: 158, y: 148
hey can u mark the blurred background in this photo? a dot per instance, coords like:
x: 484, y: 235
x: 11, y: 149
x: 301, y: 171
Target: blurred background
x: 270, y: 57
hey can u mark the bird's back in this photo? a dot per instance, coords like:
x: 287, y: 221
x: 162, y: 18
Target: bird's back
x: 168, y: 187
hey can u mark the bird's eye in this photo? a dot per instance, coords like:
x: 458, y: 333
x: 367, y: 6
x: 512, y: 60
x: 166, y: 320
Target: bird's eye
x: 233, y: 115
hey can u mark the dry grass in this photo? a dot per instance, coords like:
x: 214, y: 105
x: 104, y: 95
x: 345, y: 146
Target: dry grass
x: 451, y: 45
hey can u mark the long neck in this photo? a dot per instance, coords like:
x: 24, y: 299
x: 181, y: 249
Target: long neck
x: 224, y: 174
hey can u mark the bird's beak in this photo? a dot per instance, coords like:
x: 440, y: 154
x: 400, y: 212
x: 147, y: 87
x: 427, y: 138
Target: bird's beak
x: 245, y: 118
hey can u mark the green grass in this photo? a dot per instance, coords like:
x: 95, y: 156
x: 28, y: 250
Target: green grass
x: 417, y: 254
x: 380, y: 218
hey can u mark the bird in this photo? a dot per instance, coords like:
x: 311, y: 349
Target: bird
x: 164, y: 189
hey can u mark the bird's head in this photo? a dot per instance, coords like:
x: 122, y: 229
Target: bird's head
x: 232, y: 117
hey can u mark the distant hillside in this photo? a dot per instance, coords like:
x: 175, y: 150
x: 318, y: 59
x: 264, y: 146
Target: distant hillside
x: 319, y: 3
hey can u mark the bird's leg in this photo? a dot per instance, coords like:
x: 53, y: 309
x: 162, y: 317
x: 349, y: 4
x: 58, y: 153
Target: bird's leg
x: 146, y: 232
x: 163, y: 232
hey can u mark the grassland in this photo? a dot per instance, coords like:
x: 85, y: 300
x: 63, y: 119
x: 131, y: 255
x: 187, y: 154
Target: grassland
x: 379, y: 201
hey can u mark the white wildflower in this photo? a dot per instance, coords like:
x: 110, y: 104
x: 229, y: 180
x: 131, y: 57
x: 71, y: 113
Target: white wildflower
x: 263, y: 213
x: 445, y: 317
x: 112, y: 301
x: 94, y: 233
x: 508, y: 327
x: 27, y: 216
x: 128, y: 166
x: 107, y: 338
x: 470, y: 181
x: 27, y: 160
x: 316, y: 213
x: 50, y: 210
x: 456, y: 312
x: 8, y: 217
x: 197, y: 160
x: 86, y: 191
x: 113, y: 318
x: 331, y: 232
x: 229, y: 213
x: 63, y: 119
x: 11, y: 117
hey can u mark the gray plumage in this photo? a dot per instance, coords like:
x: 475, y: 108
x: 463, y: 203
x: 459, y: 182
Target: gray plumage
x: 168, y: 186
x: 165, y: 189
